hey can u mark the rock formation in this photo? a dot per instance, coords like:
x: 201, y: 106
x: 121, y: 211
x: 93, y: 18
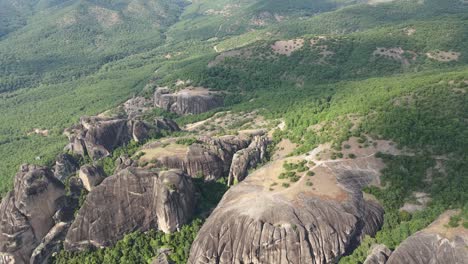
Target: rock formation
x: 26, y: 213
x: 91, y: 176
x: 209, y: 158
x: 247, y: 158
x: 99, y: 136
x: 51, y: 243
x: 133, y: 199
x: 261, y: 221
x: 379, y: 255
x: 65, y: 166
x: 187, y: 101
x: 437, y: 244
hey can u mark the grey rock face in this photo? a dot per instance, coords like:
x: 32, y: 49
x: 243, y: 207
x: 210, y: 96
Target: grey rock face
x: 137, y: 106
x: 65, y: 166
x: 51, y: 243
x: 26, y: 213
x: 379, y: 255
x: 99, y: 136
x: 211, y: 158
x: 186, y: 101
x: 91, y: 176
x: 253, y: 224
x: 247, y: 158
x: 133, y: 199
x: 424, y: 247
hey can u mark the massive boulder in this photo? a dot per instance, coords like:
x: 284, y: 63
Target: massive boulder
x: 65, y: 166
x: 91, y: 176
x: 437, y: 244
x: 378, y: 255
x: 133, y: 199
x: 99, y: 136
x: 26, y: 213
x: 188, y: 101
x: 314, y: 220
x: 51, y: 243
x: 247, y: 158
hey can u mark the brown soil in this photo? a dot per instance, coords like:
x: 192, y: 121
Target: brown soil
x: 287, y: 47
x: 444, y: 56
x: 440, y: 226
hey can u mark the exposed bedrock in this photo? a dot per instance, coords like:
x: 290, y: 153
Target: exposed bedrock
x: 65, y: 166
x: 91, y: 176
x: 26, y: 213
x: 133, y: 199
x: 247, y: 158
x: 210, y: 158
x: 378, y: 255
x: 436, y: 244
x: 187, y: 101
x: 255, y: 223
x: 99, y: 136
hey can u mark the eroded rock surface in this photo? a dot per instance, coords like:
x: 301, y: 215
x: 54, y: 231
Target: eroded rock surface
x: 65, y: 166
x: 247, y: 158
x: 91, y: 176
x: 314, y: 220
x: 209, y: 157
x: 99, y: 136
x: 379, y: 255
x: 133, y: 199
x: 51, y: 243
x: 187, y: 101
x: 437, y: 244
x: 26, y: 213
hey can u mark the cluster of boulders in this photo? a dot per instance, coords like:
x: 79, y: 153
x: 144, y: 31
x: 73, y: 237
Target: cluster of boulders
x: 97, y: 137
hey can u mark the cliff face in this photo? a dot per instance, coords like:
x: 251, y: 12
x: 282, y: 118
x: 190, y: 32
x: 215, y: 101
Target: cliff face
x: 133, y: 199
x: 26, y: 213
x: 99, y: 136
x: 315, y: 220
x: 188, y: 101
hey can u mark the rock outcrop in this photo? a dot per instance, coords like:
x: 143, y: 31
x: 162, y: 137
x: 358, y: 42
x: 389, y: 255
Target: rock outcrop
x: 314, y: 220
x: 26, y: 213
x: 99, y: 136
x: 379, y: 255
x: 247, y: 158
x: 187, y: 101
x: 209, y: 158
x: 91, y: 176
x: 437, y: 244
x: 65, y: 166
x: 133, y: 199
x: 51, y: 243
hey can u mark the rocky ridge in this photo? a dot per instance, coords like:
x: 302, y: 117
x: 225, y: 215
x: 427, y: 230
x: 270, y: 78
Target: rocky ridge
x: 315, y: 220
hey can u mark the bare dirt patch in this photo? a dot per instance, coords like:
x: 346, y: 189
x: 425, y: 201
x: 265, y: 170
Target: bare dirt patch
x: 409, y: 31
x: 157, y: 150
x: 444, y: 56
x: 420, y: 202
x: 396, y: 53
x: 287, y: 47
x: 284, y: 148
x: 38, y: 131
x: 440, y: 227
x: 225, y: 12
x: 225, y: 123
